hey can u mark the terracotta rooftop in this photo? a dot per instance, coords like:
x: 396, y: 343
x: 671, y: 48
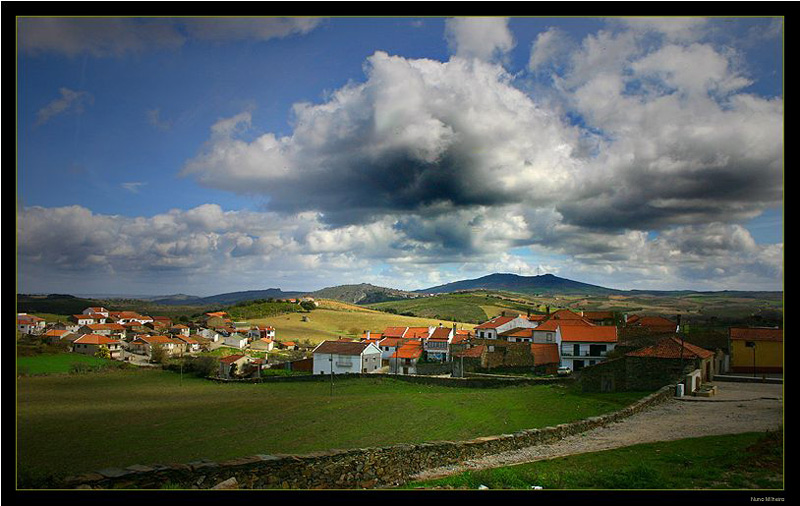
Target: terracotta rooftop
x: 474, y: 352
x: 756, y: 334
x: 95, y: 339
x: 394, y: 331
x: 670, y: 347
x: 518, y: 332
x: 231, y: 358
x: 495, y: 322
x: 545, y: 353
x: 594, y: 334
x: 342, y: 347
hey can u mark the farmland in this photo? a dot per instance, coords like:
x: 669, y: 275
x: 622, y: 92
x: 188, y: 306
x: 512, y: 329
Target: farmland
x: 72, y: 423
x: 338, y: 319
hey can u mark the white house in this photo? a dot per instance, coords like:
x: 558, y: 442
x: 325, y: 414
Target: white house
x: 500, y: 324
x: 30, y: 324
x: 96, y: 310
x: 583, y: 346
x: 235, y: 340
x: 210, y: 334
x: 342, y: 357
x: 89, y: 344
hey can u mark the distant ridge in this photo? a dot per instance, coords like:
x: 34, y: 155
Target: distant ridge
x: 544, y: 284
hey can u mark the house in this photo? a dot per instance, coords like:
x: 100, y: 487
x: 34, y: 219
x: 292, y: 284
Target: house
x: 98, y: 310
x: 104, y: 329
x: 286, y: 345
x: 54, y: 335
x: 499, y: 324
x: 85, y: 319
x: 583, y: 346
x: 180, y: 329
x: 260, y: 332
x: 30, y: 324
x: 668, y: 361
x: 89, y: 344
x: 190, y: 345
x: 68, y: 326
x: 756, y: 350
x: 546, y: 358
x: 468, y: 359
x: 341, y: 357
x: 162, y: 321
x: 437, y: 345
x: 236, y: 340
x: 404, y: 360
x: 263, y: 344
x: 388, y: 345
x: 653, y: 324
x: 144, y: 345
x: 394, y: 331
x: 210, y: 334
x: 123, y: 317
x: 232, y: 365
x: 599, y: 317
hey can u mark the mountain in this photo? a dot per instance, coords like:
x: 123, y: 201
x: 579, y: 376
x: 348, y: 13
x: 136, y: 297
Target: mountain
x: 544, y: 284
x: 363, y: 293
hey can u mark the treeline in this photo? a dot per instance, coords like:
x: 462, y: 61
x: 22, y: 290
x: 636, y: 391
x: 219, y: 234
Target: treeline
x: 263, y: 308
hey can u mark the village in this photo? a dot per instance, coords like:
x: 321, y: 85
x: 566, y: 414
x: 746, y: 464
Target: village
x: 606, y: 351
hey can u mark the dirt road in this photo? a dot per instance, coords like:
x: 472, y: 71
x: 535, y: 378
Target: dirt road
x: 737, y: 407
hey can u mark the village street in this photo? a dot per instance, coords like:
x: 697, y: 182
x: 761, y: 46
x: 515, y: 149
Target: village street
x: 736, y: 408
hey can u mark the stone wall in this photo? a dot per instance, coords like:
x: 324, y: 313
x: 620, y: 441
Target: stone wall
x: 379, y: 467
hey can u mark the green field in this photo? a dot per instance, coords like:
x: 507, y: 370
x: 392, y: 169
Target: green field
x: 57, y: 363
x: 739, y: 461
x: 333, y: 320
x: 467, y: 307
x: 73, y: 423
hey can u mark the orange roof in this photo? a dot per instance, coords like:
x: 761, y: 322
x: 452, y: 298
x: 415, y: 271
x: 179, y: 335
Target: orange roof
x: 55, y: 332
x: 653, y: 322
x: 156, y: 339
x: 565, y: 314
x: 218, y: 314
x: 474, y: 352
x: 545, y: 353
x: 440, y: 333
x: 391, y: 341
x: 394, y: 331
x: 670, y: 347
x: 411, y: 349
x: 105, y: 326
x: 495, y: 322
x: 594, y: 334
x: 417, y: 332
x: 537, y: 317
x: 95, y: 339
x: 548, y: 326
x: 756, y: 334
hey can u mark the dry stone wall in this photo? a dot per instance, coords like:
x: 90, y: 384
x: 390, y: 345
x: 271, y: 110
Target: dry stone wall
x: 378, y: 467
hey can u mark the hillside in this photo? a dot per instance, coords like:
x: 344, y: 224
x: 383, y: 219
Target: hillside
x: 363, y: 293
x: 544, y: 284
x: 472, y: 307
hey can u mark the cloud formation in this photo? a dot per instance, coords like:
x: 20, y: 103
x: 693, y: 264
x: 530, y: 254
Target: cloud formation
x: 115, y: 37
x: 70, y: 101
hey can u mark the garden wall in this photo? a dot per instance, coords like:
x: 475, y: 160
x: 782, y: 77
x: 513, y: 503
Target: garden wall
x: 378, y: 467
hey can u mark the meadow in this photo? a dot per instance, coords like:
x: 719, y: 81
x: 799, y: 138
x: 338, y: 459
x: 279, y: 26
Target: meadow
x: 56, y: 363
x: 738, y: 461
x: 75, y: 423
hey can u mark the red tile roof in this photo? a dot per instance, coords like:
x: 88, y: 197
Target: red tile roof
x: 342, y: 347
x: 474, y: 352
x: 394, y: 331
x: 410, y: 349
x: 756, y: 334
x: 495, y: 322
x: 545, y: 353
x: 565, y: 314
x: 95, y: 339
x: 670, y: 347
x: 441, y: 333
x: 654, y: 322
x: 593, y: 334
x: 417, y: 332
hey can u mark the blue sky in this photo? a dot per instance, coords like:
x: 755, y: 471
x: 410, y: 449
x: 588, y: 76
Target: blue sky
x: 167, y: 155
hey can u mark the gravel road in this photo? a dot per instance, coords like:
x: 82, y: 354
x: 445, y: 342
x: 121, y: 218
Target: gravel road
x: 736, y: 408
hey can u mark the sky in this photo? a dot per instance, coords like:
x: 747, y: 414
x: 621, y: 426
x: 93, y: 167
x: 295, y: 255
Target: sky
x: 207, y: 155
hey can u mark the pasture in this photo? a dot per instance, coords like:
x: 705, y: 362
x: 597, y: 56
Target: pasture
x: 67, y: 424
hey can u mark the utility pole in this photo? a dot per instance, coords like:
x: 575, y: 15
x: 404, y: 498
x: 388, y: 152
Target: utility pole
x: 331, y: 359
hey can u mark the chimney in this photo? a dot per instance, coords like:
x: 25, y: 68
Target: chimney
x: 678, y: 328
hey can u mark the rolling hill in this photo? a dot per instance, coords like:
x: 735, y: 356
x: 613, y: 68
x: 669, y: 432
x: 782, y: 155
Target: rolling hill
x: 544, y: 284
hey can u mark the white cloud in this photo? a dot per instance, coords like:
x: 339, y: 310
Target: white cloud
x: 476, y: 37
x: 70, y: 102
x: 549, y: 47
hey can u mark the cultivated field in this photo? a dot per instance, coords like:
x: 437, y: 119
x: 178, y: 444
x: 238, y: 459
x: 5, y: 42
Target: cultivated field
x: 338, y: 319
x: 74, y: 423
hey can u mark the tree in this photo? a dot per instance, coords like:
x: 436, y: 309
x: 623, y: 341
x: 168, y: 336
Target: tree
x: 308, y: 305
x: 102, y: 352
x: 158, y: 354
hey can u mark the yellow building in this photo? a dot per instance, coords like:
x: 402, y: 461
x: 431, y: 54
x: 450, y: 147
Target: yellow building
x: 756, y: 350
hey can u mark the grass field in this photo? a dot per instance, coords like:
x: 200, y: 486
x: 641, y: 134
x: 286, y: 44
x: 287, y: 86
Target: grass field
x: 72, y: 423
x: 740, y: 461
x: 57, y: 363
x: 466, y: 307
x: 332, y: 320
